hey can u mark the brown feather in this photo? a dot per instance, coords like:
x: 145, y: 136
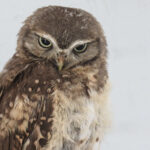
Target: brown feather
x: 42, y: 107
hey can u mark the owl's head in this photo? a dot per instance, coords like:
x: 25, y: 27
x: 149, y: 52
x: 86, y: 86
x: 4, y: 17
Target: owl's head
x: 67, y: 37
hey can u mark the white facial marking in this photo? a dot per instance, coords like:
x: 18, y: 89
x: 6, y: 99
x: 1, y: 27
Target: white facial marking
x: 79, y: 42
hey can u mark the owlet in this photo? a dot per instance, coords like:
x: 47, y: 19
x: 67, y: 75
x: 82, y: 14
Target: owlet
x: 53, y: 91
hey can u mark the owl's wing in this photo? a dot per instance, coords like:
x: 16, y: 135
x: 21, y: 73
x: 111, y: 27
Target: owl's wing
x: 13, y: 68
x: 18, y: 113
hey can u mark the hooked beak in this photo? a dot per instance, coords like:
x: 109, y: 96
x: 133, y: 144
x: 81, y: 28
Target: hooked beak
x: 60, y: 62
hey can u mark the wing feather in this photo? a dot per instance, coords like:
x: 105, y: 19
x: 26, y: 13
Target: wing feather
x: 15, y: 112
x: 25, y: 111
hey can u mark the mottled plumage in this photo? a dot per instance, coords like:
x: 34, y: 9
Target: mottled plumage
x: 53, y: 91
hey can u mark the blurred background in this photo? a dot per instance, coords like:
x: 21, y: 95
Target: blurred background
x: 127, y: 28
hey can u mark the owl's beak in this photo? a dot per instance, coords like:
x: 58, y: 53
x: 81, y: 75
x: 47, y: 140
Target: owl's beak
x: 60, y: 62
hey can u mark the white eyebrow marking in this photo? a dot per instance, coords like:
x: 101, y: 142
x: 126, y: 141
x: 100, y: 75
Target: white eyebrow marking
x: 79, y: 42
x: 55, y: 44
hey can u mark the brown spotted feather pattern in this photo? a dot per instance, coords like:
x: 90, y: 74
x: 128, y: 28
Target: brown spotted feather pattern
x: 55, y: 98
x: 28, y: 104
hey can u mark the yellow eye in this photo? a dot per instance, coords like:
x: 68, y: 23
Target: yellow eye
x: 45, y: 43
x: 80, y: 48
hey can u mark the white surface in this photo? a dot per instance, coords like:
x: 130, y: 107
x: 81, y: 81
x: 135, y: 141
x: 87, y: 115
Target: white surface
x: 127, y: 27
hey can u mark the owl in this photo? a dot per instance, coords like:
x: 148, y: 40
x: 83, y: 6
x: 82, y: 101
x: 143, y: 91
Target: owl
x: 53, y: 91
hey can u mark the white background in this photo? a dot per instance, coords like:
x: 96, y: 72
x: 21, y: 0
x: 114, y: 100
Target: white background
x: 127, y: 28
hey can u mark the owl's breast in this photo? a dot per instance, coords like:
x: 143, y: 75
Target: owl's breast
x: 78, y: 122
x: 71, y: 114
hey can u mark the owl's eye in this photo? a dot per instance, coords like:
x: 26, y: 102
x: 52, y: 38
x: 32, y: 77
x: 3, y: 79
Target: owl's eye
x: 80, y: 48
x: 44, y: 42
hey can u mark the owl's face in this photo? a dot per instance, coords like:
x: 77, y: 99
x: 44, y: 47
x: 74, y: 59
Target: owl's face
x: 66, y: 37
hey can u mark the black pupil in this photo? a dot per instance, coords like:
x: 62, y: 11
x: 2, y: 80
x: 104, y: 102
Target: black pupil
x: 45, y: 41
x: 80, y: 47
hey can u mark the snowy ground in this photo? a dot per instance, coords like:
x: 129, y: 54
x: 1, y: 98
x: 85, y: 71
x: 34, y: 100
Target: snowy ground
x: 127, y: 27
